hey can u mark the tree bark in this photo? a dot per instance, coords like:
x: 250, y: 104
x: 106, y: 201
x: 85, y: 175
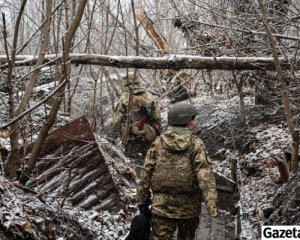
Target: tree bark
x: 159, y: 40
x: 125, y: 137
x: 239, y: 85
x: 15, y: 155
x: 177, y: 90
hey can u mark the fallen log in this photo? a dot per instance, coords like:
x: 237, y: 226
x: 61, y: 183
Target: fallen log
x: 175, y: 62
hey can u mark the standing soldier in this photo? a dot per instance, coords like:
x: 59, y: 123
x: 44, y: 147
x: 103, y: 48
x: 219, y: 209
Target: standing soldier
x: 178, y: 172
x: 144, y: 121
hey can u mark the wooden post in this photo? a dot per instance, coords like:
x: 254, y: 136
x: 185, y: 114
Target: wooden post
x: 238, y: 222
x: 283, y: 169
x: 233, y: 169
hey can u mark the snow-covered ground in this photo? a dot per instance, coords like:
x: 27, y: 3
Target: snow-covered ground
x: 256, y: 189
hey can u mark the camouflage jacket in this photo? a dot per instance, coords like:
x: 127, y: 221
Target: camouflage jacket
x: 141, y: 97
x: 178, y: 185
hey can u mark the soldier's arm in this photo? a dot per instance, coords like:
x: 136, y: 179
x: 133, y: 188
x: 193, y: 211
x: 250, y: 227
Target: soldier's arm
x: 206, y: 178
x: 155, y: 111
x: 119, y: 114
x: 143, y: 188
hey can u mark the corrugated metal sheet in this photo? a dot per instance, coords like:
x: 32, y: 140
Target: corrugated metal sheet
x: 71, y: 166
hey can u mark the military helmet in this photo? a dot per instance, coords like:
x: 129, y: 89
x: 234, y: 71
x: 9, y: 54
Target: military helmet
x: 127, y: 82
x: 181, y: 114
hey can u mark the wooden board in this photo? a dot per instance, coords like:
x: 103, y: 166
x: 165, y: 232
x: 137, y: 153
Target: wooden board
x: 211, y: 228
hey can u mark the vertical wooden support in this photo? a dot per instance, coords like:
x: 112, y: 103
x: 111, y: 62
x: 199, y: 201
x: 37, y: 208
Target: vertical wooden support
x: 233, y: 169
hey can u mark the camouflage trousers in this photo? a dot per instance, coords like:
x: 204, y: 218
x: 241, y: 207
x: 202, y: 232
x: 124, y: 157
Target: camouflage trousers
x: 137, y: 150
x: 164, y: 228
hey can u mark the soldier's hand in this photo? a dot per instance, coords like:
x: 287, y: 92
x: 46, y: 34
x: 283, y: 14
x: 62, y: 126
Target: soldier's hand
x: 212, y: 210
x: 214, y: 214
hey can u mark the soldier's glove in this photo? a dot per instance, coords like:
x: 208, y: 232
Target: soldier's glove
x: 144, y: 209
x: 214, y: 214
x: 212, y: 209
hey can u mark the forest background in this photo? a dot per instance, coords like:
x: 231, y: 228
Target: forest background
x: 64, y: 59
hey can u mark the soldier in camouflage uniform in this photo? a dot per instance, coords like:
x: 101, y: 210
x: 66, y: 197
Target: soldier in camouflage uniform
x: 177, y: 170
x: 142, y: 131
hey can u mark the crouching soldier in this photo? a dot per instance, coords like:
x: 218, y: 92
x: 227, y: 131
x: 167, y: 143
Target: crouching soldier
x: 144, y: 121
x: 177, y: 170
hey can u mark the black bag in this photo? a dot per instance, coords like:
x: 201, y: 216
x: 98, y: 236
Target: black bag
x: 139, y: 228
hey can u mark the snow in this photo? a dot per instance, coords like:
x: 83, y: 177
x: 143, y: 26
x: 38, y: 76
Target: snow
x: 256, y: 191
x: 5, y: 143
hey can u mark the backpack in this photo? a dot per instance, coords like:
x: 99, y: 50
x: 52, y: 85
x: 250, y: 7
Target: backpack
x: 173, y: 171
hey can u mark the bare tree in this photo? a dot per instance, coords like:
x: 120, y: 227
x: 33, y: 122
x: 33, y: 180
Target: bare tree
x: 58, y: 97
x: 14, y: 158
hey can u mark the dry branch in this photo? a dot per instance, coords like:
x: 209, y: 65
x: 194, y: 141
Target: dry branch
x: 152, y: 32
x: 177, y: 90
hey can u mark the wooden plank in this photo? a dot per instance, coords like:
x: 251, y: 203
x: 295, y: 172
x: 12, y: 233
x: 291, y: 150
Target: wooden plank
x: 218, y: 228
x: 204, y: 229
x: 230, y: 229
x: 210, y: 228
x: 224, y: 183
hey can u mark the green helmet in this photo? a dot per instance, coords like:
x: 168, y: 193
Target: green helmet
x: 127, y: 82
x: 181, y: 114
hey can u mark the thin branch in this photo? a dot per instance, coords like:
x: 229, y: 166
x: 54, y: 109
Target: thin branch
x: 35, y: 106
x: 39, y: 28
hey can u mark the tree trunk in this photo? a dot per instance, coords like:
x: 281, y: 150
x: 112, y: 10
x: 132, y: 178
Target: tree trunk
x: 239, y: 86
x: 14, y: 161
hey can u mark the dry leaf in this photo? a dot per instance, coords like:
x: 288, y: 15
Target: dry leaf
x: 4, y: 133
x: 26, y: 226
